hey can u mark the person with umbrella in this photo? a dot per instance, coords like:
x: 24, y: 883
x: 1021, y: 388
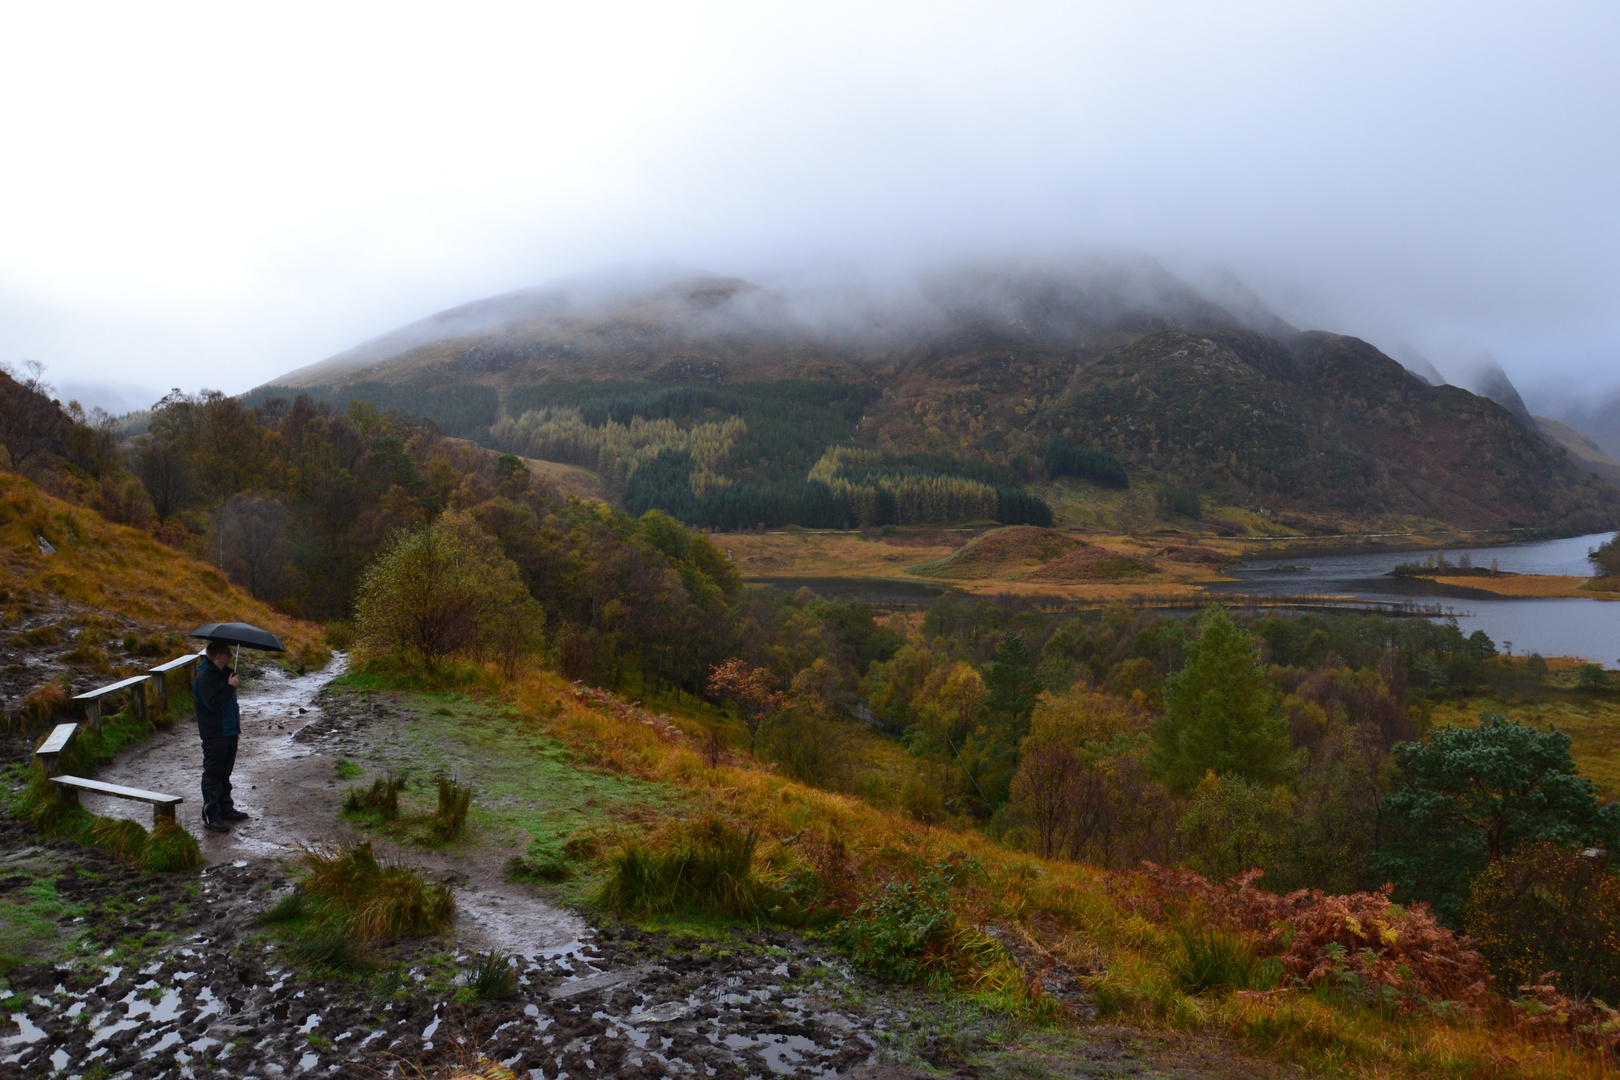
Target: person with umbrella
x: 219, y: 717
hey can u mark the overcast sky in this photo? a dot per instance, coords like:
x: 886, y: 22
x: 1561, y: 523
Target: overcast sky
x: 214, y: 195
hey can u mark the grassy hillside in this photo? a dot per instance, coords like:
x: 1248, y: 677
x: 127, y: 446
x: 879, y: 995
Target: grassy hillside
x: 107, y: 583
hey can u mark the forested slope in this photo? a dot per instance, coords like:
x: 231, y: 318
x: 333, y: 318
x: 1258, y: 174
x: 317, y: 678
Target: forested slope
x: 724, y: 401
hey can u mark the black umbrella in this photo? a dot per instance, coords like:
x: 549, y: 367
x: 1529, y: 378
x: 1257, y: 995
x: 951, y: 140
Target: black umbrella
x: 242, y: 635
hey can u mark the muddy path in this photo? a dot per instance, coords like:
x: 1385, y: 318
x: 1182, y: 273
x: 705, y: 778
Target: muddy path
x: 293, y: 731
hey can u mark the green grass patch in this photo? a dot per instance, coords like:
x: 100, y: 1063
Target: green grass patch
x: 348, y: 770
x: 29, y: 923
x: 527, y: 795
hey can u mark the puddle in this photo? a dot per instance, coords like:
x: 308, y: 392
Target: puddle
x: 29, y: 1032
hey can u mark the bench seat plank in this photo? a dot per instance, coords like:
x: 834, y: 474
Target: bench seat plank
x: 58, y: 740
x: 117, y: 790
x: 102, y: 691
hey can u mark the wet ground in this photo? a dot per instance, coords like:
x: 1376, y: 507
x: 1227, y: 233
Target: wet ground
x: 170, y: 976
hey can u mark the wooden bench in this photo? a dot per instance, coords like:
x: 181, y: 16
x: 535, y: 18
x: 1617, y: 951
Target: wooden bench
x: 51, y: 749
x: 134, y: 686
x: 68, y: 787
x: 160, y: 678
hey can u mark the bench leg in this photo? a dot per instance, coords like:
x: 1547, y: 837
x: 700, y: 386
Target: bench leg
x: 92, y: 715
x: 137, y: 699
x: 162, y: 812
x: 65, y: 795
x: 48, y: 764
x: 160, y: 690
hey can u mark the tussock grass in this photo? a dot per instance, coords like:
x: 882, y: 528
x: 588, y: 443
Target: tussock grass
x: 449, y: 821
x: 382, y: 798
x: 1215, y: 960
x: 702, y: 868
x: 290, y: 908
x: 170, y: 847
x: 494, y: 978
x: 547, y: 867
x: 334, y: 951
x: 373, y: 900
x: 45, y: 703
x: 119, y: 837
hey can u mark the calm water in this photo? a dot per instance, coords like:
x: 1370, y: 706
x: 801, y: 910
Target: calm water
x: 1589, y: 629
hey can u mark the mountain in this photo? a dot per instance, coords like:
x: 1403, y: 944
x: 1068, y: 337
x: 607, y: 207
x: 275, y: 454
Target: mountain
x: 1485, y: 377
x: 1587, y: 454
x: 1596, y: 415
x: 720, y: 400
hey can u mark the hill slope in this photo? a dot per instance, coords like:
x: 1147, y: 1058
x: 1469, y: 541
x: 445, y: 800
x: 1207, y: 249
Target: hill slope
x: 965, y: 377
x: 101, y: 585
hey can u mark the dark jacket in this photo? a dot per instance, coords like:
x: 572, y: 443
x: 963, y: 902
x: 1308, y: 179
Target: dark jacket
x: 217, y: 713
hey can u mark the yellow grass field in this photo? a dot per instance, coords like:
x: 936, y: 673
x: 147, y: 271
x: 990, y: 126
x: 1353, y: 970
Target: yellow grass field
x: 1591, y: 720
x: 1145, y: 569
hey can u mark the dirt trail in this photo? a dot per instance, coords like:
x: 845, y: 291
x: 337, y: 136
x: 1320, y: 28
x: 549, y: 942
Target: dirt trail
x: 285, y: 779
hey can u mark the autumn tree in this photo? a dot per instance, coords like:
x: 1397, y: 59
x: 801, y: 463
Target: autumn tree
x: 249, y: 542
x: 752, y: 689
x: 31, y: 423
x: 438, y: 590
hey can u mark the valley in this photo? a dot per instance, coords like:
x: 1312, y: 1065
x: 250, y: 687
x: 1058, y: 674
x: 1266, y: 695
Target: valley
x: 1051, y: 682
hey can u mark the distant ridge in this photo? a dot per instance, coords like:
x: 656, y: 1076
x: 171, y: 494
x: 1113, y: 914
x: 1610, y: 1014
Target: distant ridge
x: 968, y: 373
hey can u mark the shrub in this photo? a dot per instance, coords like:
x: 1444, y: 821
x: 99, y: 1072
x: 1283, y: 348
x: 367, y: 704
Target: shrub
x: 705, y: 867
x: 43, y: 703
x: 375, y: 900
x: 1180, y: 500
x: 437, y: 591
x: 1592, y: 677
x: 1361, y: 941
x: 1548, y: 909
x: 906, y: 931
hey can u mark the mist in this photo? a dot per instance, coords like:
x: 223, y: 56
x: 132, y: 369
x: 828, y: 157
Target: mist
x: 200, y: 197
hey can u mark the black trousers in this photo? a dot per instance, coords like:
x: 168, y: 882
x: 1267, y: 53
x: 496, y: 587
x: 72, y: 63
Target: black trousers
x: 219, y: 758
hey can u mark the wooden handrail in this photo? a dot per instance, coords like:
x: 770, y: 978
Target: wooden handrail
x: 160, y: 677
x: 135, y: 686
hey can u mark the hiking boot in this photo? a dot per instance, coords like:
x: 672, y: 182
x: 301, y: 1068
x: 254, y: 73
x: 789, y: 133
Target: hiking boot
x: 234, y: 815
x: 216, y: 826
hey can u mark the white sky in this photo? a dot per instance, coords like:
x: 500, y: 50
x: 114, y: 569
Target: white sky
x: 215, y: 194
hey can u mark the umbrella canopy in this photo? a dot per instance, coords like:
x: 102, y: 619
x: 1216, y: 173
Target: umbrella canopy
x: 244, y: 634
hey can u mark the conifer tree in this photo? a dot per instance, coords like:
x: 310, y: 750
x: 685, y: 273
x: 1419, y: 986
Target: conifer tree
x: 1219, y: 715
